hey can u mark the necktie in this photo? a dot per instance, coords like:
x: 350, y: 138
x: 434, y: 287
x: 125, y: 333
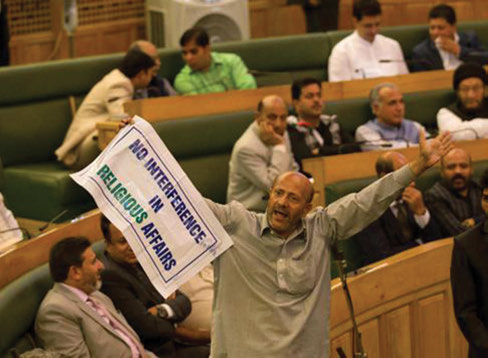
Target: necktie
x: 135, y: 346
x: 403, y: 223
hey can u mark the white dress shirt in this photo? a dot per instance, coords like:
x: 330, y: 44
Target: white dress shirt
x: 356, y: 58
x: 449, y: 60
x: 461, y: 130
x: 7, y: 222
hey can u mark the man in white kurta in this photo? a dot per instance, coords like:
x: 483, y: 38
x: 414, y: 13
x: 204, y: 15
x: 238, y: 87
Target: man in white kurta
x: 365, y: 53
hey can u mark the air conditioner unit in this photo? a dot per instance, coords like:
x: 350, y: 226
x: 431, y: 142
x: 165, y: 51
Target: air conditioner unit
x: 224, y: 20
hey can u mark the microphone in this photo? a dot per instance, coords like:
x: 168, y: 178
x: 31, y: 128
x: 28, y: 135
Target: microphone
x: 411, y: 63
x: 46, y: 225
x: 21, y: 229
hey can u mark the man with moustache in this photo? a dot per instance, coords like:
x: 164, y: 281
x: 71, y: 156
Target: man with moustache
x: 455, y: 201
x: 311, y: 132
x: 469, y: 280
x: 467, y: 118
x: 405, y: 224
x: 260, y: 155
x: 75, y: 319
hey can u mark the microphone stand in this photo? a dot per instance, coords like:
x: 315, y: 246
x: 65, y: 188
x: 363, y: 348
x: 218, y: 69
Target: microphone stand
x: 342, y: 266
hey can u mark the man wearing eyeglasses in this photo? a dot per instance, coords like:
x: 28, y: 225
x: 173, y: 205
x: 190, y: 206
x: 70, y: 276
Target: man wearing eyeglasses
x: 467, y: 118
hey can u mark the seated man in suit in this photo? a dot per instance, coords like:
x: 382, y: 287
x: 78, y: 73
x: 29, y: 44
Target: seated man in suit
x: 104, y: 102
x: 405, y: 224
x: 151, y: 316
x: 75, y: 319
x: 467, y: 118
x: 446, y: 48
x: 455, y: 200
x: 311, y: 132
x: 207, y: 71
x: 260, y: 155
x: 159, y: 86
x: 389, y: 129
x: 469, y: 280
x: 366, y: 53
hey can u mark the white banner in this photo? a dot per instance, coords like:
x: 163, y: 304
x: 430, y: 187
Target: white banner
x: 140, y: 187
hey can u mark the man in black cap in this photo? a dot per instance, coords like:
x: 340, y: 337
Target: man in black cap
x: 467, y: 118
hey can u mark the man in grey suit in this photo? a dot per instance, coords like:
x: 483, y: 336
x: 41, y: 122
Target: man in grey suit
x: 260, y: 155
x: 75, y: 319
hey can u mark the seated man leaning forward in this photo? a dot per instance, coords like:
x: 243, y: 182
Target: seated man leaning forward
x: 158, y: 86
x: 389, y: 129
x: 207, y: 71
x: 151, y: 316
x: 104, y: 102
x: 405, y: 224
x: 366, y: 53
x: 467, y: 118
x: 260, y: 155
x: 446, y: 48
x: 272, y: 288
x: 75, y: 319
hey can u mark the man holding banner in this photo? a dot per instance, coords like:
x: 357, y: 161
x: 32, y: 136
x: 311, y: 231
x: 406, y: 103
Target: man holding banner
x: 272, y: 287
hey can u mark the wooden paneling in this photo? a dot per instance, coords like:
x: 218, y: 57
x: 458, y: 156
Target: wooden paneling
x: 275, y: 18
x: 370, y: 332
x: 410, y: 295
x: 345, y: 342
x: 397, y: 333
x: 432, y: 314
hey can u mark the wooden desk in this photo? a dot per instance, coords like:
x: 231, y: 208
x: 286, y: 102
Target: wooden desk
x: 403, y: 307
x: 334, y: 168
x: 27, y: 255
x: 164, y: 108
x: 169, y: 108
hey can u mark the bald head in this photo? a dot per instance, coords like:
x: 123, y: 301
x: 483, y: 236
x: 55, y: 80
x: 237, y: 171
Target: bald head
x: 273, y: 110
x: 301, y: 181
x: 455, y: 153
x: 149, y: 49
x: 289, y: 201
x: 389, y: 162
x: 270, y: 101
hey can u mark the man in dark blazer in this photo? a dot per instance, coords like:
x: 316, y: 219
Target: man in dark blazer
x: 405, y: 224
x: 151, y: 316
x: 75, y: 319
x: 445, y: 48
x: 469, y: 280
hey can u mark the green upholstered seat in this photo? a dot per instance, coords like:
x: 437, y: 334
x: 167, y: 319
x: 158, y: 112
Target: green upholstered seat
x: 43, y: 190
x: 202, y: 146
x: 18, y: 308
